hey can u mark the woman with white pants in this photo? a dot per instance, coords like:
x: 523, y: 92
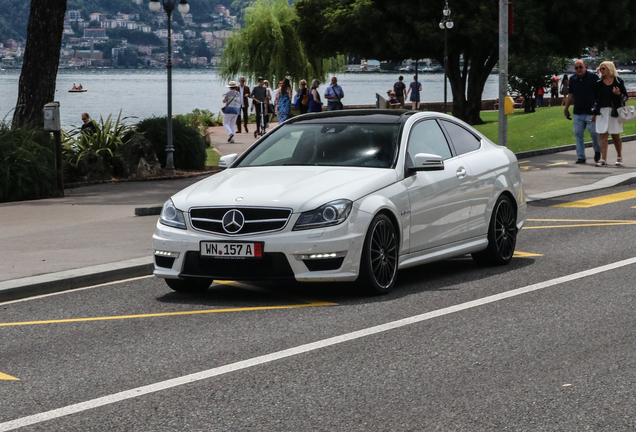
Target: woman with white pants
x: 232, y: 100
x: 610, y: 95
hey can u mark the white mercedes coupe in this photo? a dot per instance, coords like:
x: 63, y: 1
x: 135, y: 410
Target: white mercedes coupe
x: 352, y: 195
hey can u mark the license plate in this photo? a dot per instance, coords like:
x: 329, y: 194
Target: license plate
x: 232, y: 250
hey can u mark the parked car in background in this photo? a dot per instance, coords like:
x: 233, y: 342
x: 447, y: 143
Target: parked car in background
x: 351, y: 195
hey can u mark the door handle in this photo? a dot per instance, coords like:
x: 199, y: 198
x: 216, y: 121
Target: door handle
x: 461, y: 172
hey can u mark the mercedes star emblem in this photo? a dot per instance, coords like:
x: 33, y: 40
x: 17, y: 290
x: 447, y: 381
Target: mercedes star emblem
x: 233, y: 221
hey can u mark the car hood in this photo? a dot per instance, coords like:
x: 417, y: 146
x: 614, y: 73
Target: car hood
x: 299, y: 188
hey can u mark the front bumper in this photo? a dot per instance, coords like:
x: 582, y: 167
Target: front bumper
x: 287, y: 254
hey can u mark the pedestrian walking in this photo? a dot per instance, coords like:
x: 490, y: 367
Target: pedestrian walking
x: 315, y: 104
x: 232, y: 100
x: 539, y: 96
x: 415, y: 88
x: 270, y: 109
x: 245, y: 103
x: 554, y: 88
x: 610, y: 95
x: 284, y: 100
x: 400, y: 88
x: 259, y: 99
x: 302, y: 98
x: 583, y: 95
x: 334, y: 94
x: 565, y: 88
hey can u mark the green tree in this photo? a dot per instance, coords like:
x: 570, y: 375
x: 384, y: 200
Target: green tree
x: 269, y: 46
x: 527, y: 74
x: 389, y: 30
x: 41, y: 59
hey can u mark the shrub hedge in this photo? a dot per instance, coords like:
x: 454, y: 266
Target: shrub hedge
x: 27, y: 164
x: 189, y: 145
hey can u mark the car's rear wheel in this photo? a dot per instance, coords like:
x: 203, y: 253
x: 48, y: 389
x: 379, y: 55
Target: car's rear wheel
x: 502, y: 234
x: 378, y: 266
x: 189, y: 285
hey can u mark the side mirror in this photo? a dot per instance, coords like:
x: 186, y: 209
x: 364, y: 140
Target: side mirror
x: 427, y: 162
x: 227, y: 160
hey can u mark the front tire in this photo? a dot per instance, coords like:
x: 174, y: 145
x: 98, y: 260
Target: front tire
x: 189, y: 285
x: 502, y: 235
x: 379, y: 261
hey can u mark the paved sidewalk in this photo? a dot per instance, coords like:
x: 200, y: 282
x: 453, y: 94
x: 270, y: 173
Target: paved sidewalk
x: 93, y: 236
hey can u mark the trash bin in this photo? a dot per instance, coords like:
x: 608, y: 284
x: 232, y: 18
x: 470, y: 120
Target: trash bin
x: 509, y: 107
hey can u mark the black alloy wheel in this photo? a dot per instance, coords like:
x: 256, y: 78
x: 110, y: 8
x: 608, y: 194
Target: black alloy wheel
x: 378, y: 267
x: 189, y: 285
x: 502, y: 234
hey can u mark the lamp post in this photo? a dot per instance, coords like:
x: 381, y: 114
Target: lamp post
x: 168, y: 6
x: 446, y: 24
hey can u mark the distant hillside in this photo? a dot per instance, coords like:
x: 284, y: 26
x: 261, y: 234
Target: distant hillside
x: 14, y: 14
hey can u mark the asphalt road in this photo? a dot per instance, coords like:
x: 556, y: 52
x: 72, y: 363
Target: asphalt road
x: 546, y: 343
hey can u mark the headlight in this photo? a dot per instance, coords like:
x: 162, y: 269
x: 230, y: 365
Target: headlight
x: 332, y: 213
x: 171, y: 216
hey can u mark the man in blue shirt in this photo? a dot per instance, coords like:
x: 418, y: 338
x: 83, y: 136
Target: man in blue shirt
x: 582, y: 92
x: 333, y: 94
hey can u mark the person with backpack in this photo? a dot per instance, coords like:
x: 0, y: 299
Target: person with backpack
x: 302, y: 98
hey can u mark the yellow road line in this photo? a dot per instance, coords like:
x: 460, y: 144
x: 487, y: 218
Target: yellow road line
x: 519, y: 254
x: 164, y: 314
x: 7, y: 377
x: 602, y: 200
x: 558, y: 163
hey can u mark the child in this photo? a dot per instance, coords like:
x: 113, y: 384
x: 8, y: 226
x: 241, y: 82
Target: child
x: 393, y: 100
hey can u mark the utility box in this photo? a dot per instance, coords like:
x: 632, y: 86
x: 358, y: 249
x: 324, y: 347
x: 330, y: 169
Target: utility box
x: 52, y: 117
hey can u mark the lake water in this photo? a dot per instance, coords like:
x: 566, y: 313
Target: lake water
x: 143, y: 93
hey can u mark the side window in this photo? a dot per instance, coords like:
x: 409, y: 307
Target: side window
x: 427, y: 137
x: 463, y: 141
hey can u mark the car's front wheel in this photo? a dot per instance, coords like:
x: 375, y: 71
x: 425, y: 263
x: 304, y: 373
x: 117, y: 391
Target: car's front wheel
x: 502, y: 234
x: 189, y: 285
x: 378, y: 266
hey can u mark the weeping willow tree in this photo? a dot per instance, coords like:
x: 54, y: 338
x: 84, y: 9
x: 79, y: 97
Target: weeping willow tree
x: 269, y: 46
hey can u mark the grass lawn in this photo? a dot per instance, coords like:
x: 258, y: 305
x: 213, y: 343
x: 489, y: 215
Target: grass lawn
x: 212, y: 158
x: 547, y: 127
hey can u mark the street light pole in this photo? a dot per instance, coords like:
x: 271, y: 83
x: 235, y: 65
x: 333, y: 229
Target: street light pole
x: 446, y: 24
x: 169, y: 6
x: 503, y: 72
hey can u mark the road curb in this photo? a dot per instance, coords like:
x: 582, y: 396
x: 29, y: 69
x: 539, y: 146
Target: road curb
x: 569, y: 147
x: 77, y: 278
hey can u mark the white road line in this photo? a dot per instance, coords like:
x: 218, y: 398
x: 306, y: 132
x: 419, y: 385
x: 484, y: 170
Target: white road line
x: 75, y: 290
x: 233, y: 367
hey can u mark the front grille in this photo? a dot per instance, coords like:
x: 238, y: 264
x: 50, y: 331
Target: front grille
x: 273, y: 265
x: 252, y: 220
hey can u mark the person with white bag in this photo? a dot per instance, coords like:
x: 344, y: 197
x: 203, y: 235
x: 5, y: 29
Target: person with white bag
x: 610, y: 96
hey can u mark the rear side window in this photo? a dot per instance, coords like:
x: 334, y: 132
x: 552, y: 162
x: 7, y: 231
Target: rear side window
x: 427, y: 137
x: 463, y: 141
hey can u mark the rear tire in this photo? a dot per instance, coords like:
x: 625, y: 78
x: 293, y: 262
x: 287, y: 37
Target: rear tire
x: 379, y: 261
x: 189, y: 285
x: 502, y: 235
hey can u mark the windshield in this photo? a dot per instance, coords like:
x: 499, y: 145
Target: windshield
x: 355, y: 145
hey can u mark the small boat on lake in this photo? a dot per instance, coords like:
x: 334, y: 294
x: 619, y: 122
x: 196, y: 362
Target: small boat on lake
x: 77, y: 89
